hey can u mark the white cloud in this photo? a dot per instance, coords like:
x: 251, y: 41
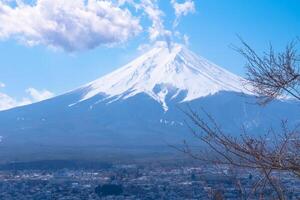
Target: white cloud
x: 156, y: 30
x: 75, y: 25
x: 72, y: 25
x: 155, y: 15
x: 186, y: 40
x: 2, y: 85
x: 7, y: 102
x: 182, y: 9
x: 37, y: 95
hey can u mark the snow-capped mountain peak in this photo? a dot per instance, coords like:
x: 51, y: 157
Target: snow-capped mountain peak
x: 161, y: 72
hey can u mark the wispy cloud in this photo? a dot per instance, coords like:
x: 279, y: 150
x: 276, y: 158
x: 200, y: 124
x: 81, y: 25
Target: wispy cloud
x: 7, y: 102
x: 153, y: 12
x: 37, y: 95
x: 71, y: 25
x: 158, y: 31
x: 182, y: 9
x: 186, y: 40
x: 34, y: 95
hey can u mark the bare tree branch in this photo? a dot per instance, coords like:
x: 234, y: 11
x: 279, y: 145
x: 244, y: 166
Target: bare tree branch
x: 273, y: 74
x: 270, y: 76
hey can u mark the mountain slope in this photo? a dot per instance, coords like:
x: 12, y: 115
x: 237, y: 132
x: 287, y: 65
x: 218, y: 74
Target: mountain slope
x: 137, y: 109
x: 162, y: 72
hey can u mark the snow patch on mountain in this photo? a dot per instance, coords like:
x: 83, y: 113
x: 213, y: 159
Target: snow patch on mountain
x: 161, y: 72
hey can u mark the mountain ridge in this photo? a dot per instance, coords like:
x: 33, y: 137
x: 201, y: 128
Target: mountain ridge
x: 162, y: 71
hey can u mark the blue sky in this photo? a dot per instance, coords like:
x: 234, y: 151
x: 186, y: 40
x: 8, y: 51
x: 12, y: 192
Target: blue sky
x: 30, y: 61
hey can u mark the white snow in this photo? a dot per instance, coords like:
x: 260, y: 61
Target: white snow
x: 160, y: 71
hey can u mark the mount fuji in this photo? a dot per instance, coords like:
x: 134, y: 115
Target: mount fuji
x: 137, y: 108
x: 162, y: 73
